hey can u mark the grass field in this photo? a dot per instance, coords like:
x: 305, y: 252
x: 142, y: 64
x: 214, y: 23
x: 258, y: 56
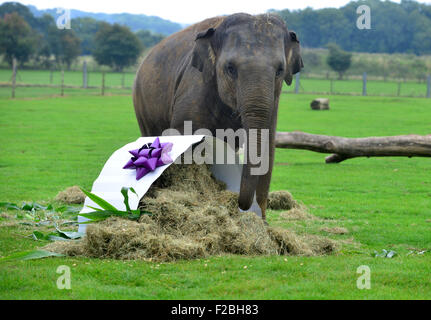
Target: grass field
x: 48, y: 144
x: 114, y: 83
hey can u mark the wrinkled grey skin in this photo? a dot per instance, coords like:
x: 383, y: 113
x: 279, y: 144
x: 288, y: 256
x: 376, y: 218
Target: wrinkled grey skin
x: 224, y: 72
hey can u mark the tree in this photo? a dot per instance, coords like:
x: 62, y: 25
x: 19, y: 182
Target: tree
x: 149, y: 39
x: 23, y: 11
x: 338, y: 60
x: 16, y: 40
x: 116, y: 46
x: 395, y: 27
x: 64, y: 44
x: 85, y: 29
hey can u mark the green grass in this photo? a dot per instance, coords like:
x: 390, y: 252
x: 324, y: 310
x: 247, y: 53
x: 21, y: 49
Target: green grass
x: 354, y: 87
x: 50, y: 144
x: 72, y: 78
x: 114, y: 81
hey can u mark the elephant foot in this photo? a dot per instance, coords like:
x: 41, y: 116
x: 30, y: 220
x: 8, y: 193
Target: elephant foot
x: 263, y: 210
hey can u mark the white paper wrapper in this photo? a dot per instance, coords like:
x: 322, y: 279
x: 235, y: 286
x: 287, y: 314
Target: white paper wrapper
x: 113, y: 177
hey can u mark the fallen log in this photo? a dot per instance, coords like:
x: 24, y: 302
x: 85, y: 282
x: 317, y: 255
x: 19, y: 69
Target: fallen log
x: 347, y: 148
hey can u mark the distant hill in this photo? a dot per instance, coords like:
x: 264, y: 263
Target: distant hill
x: 134, y: 21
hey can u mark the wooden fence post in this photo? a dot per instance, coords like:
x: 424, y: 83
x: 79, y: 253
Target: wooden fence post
x: 103, y: 83
x: 429, y: 86
x: 84, y: 75
x: 332, y: 86
x: 364, y: 84
x: 51, y: 75
x: 399, y: 89
x: 62, y: 82
x: 13, y: 77
x: 297, y: 82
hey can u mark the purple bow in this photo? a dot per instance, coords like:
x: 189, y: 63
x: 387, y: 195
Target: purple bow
x: 149, y: 157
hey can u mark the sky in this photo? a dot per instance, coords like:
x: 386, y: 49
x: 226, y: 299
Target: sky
x: 185, y: 11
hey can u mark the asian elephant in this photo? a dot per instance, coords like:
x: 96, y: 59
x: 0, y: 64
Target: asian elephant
x: 224, y: 72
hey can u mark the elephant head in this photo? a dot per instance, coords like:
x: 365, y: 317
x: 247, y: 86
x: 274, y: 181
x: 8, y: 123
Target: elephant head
x: 247, y: 58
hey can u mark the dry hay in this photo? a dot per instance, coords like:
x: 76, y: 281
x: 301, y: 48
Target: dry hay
x: 72, y: 195
x: 193, y: 216
x: 297, y: 213
x: 281, y: 200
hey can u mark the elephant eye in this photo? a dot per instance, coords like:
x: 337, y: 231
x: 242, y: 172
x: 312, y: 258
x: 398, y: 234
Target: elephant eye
x: 279, y: 71
x: 231, y: 70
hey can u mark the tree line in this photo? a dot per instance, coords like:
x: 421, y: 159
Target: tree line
x: 24, y: 36
x: 395, y: 28
x: 403, y: 27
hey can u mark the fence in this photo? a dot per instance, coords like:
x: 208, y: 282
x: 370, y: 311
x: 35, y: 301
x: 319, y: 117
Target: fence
x: 364, y: 87
x: 37, y: 83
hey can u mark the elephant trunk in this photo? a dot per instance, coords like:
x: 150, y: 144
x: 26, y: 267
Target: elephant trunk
x: 256, y: 104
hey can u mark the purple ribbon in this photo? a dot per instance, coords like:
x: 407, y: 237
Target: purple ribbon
x: 149, y: 157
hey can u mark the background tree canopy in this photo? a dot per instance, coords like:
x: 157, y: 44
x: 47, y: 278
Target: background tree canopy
x: 395, y: 28
x: 401, y: 28
x: 16, y: 40
x: 116, y: 46
x: 338, y: 60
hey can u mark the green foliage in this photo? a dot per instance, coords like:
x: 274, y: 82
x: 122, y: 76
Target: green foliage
x: 86, y: 29
x: 23, y: 35
x: 58, y: 235
x: 99, y: 201
x: 22, y: 10
x: 116, y: 46
x: 312, y: 59
x: 40, y: 214
x: 338, y: 59
x: 109, y: 210
x: 31, y: 255
x: 149, y: 39
x: 64, y: 44
x: 16, y: 39
x: 395, y: 27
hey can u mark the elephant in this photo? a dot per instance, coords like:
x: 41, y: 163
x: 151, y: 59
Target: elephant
x: 222, y: 73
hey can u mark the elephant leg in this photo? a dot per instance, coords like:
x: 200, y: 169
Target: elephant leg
x: 262, y: 189
x: 264, y: 182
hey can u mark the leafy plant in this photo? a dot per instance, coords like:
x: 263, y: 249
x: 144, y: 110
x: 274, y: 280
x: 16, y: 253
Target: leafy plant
x: 31, y: 255
x: 31, y: 207
x: 57, y: 236
x: 107, y: 210
x: 41, y: 214
x: 384, y: 254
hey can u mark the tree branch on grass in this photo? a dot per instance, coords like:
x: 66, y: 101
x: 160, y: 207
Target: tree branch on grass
x: 347, y: 148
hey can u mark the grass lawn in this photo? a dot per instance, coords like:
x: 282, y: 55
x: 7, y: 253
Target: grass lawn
x: 114, y: 80
x: 48, y: 144
x: 72, y: 78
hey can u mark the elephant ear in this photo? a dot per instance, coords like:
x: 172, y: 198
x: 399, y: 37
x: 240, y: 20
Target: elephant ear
x: 293, y: 56
x: 203, y: 57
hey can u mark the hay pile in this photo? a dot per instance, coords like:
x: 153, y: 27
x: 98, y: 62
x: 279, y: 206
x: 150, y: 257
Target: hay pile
x: 297, y: 213
x: 281, y: 200
x: 193, y: 216
x: 72, y: 195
